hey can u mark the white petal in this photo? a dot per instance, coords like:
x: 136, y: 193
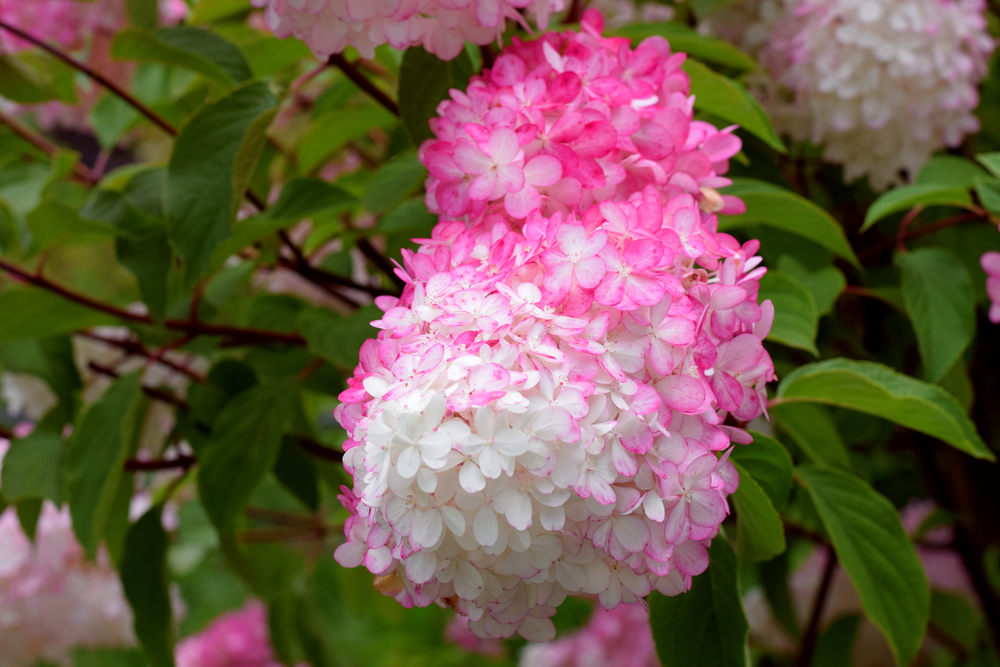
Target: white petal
x: 485, y: 526
x: 427, y: 529
x: 408, y: 462
x: 518, y: 511
x: 453, y: 519
x: 552, y: 518
x: 426, y: 480
x: 420, y: 566
x: 471, y: 478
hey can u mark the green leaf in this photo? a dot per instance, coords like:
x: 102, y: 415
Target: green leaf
x: 723, y: 97
x: 410, y: 216
x: 991, y: 161
x: 947, y: 169
x: 774, y: 581
x: 143, y: 13
x: 685, y: 40
x: 52, y: 360
x: 917, y: 195
x: 111, y: 118
x: 835, y: 647
x: 244, y: 446
x: 18, y: 83
x: 333, y: 129
x: 795, y: 317
x: 878, y: 390
x: 31, y: 468
x: 145, y: 580
x: 28, y: 510
x: 988, y: 192
x: 105, y: 436
x: 874, y: 550
x: 336, y: 338
x: 269, y: 55
x: 952, y: 614
x: 393, y: 182
x: 761, y: 536
x: 814, y: 431
x: 424, y: 80
x: 777, y: 207
x: 197, y: 50
x: 54, y: 223
x: 31, y: 313
x: 209, y: 11
x: 296, y: 473
x: 769, y: 464
x: 941, y: 303
x: 211, y: 163
x: 826, y: 283
x: 704, y: 627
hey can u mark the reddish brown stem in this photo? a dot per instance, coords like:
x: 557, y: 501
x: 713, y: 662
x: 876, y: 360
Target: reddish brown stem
x: 152, y: 392
x: 81, y: 172
x: 185, y: 462
x: 238, y: 335
x: 901, y: 234
x: 316, y: 449
x: 96, y: 76
x: 137, y: 348
x: 379, y: 260
x: 362, y: 82
x: 974, y: 215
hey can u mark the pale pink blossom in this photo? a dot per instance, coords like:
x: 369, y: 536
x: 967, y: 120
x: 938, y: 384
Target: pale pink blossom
x: 990, y: 261
x: 236, y: 639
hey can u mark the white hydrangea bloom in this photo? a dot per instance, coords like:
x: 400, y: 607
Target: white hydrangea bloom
x: 882, y: 84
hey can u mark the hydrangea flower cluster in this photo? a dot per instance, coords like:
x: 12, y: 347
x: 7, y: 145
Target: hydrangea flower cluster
x: 70, y: 23
x: 883, y: 84
x: 621, y: 637
x: 571, y: 119
x: 236, y: 639
x: 51, y: 598
x: 990, y: 261
x: 441, y: 26
x: 542, y: 412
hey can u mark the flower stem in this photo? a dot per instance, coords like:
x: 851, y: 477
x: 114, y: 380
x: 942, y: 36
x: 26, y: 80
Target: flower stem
x: 362, y: 82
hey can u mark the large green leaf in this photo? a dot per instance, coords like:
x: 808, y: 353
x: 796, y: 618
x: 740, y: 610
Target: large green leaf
x: 393, y: 181
x: 197, y: 50
x: 685, y: 40
x: 874, y: 550
x: 947, y: 169
x: 878, y: 390
x: 31, y: 468
x: 826, y: 283
x: 105, y: 437
x: 145, y: 580
x: 32, y: 312
x: 777, y: 207
x: 916, y: 195
x: 813, y: 430
x: 769, y: 464
x: 761, y: 536
x: 18, y: 83
x: 795, y: 317
x: 941, y: 302
x: 704, y: 627
x: 209, y: 169
x: 207, y: 11
x: 335, y: 337
x: 424, y: 80
x: 243, y: 448
x: 332, y: 130
x: 723, y: 97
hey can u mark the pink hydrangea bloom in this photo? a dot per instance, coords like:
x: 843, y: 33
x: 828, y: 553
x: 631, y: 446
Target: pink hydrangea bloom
x: 51, y: 599
x: 458, y: 632
x: 542, y: 412
x: 571, y: 119
x: 621, y: 637
x: 990, y: 261
x: 441, y: 26
x: 236, y: 639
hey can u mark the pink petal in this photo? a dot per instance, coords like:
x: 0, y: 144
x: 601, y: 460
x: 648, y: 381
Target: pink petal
x: 683, y: 393
x: 543, y: 171
x: 503, y: 142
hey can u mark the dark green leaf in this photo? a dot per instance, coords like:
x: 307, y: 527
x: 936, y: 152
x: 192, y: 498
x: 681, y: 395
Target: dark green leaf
x: 939, y: 298
x: 109, y: 657
x: 774, y: 581
x: 209, y: 169
x: 18, y: 83
x: 685, y: 40
x: 874, y: 550
x: 31, y: 468
x: 991, y: 161
x: 335, y: 337
x: 795, y: 317
x: 143, y: 13
x: 244, y: 446
x: 31, y: 313
x: 54, y: 223
x: 988, y: 191
x: 296, y: 473
x: 704, y: 627
x: 28, y: 510
x: 880, y: 391
x: 105, y: 437
x: 777, y: 207
x: 209, y: 11
x: 332, y: 130
x: 826, y: 283
x: 111, y: 118
x: 409, y: 216
x: 52, y: 360
x: 197, y: 50
x: 952, y: 615
x: 835, y: 647
x: 812, y: 428
x: 424, y: 80
x: 393, y: 181
x: 769, y: 464
x: 918, y: 195
x: 269, y: 55
x: 723, y: 97
x: 145, y: 580
x: 761, y: 536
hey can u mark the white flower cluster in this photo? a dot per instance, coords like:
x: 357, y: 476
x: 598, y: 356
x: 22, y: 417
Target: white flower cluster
x: 882, y: 84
